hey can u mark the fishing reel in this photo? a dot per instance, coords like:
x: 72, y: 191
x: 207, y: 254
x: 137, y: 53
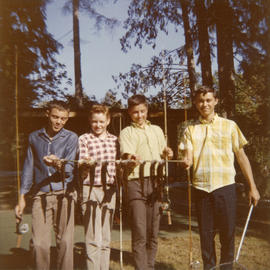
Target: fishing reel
x: 194, y: 265
x: 165, y: 209
x: 22, y: 228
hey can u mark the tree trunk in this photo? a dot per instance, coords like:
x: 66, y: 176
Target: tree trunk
x: 224, y: 20
x: 77, y: 54
x: 204, y: 46
x: 189, y: 45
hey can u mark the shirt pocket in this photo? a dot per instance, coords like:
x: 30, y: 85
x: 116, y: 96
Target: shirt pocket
x: 221, y: 141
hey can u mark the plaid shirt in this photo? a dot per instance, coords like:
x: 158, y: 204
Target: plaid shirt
x: 213, y: 145
x: 98, y: 149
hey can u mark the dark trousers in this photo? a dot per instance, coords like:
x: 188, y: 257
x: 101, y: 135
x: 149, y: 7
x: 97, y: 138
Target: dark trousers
x: 145, y: 218
x: 216, y: 212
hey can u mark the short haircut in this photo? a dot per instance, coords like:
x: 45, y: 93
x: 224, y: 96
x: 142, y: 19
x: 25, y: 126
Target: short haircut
x: 97, y: 108
x: 137, y: 100
x: 58, y: 104
x: 204, y: 90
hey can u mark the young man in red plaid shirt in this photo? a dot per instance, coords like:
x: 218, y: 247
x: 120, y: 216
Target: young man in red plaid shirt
x: 99, y: 192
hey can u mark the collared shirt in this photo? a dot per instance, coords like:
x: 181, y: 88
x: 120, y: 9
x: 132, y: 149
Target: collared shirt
x: 147, y: 142
x: 35, y: 171
x: 95, y: 148
x: 213, y: 145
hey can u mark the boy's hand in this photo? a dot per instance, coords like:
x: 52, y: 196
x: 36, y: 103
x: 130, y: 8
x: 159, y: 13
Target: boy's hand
x: 186, y: 163
x: 19, y: 209
x: 84, y: 166
x: 167, y: 153
x: 133, y: 160
x: 53, y: 160
x: 86, y: 163
x: 254, y: 196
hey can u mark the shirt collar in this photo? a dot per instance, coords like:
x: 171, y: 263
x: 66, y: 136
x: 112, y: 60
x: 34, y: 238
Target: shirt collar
x: 147, y: 123
x: 203, y: 121
x: 92, y: 136
x: 61, y: 133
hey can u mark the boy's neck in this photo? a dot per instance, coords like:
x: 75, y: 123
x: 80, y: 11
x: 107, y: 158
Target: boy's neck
x: 50, y: 133
x: 101, y: 136
x: 141, y: 125
x: 209, y: 118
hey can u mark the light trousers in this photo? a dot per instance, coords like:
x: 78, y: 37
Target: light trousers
x: 53, y: 210
x: 98, y: 210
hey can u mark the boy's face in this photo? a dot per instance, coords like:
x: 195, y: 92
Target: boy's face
x: 99, y: 123
x: 205, y: 104
x: 138, y: 114
x: 56, y: 120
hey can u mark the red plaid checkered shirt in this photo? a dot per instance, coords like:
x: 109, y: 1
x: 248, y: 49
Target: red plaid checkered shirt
x: 92, y: 147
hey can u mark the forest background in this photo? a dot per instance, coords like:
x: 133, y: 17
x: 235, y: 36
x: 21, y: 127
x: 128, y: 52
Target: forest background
x: 233, y: 33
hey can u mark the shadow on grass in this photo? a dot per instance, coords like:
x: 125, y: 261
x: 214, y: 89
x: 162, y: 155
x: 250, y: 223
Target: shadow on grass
x: 19, y: 259
x: 177, y: 227
x: 164, y: 266
x: 127, y: 257
x: 22, y: 259
x: 128, y: 260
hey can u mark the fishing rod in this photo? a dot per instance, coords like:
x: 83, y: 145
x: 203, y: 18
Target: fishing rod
x: 192, y: 264
x: 235, y: 264
x: 121, y: 210
x: 21, y: 228
x: 166, y: 203
x: 119, y: 161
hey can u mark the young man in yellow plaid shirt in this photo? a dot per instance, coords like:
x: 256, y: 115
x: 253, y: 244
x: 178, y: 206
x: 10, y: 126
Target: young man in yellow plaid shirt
x: 209, y: 145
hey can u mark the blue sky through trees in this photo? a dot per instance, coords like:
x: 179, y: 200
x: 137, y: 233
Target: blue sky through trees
x: 101, y: 55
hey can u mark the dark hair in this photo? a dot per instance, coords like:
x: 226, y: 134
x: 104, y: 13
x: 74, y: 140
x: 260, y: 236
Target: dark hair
x: 58, y: 104
x: 99, y: 109
x: 204, y: 90
x: 137, y: 100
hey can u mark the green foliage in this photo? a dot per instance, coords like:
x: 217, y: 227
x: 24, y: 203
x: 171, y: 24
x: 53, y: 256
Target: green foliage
x: 91, y: 8
x: 111, y: 100
x: 23, y: 32
x: 252, y: 110
x: 166, y: 72
x: 87, y: 102
x: 146, y: 18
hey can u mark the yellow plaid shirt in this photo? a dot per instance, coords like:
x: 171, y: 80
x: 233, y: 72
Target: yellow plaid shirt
x: 213, y: 145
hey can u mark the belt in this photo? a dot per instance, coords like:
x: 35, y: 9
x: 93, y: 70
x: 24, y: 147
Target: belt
x: 139, y: 179
x: 89, y: 185
x: 49, y: 193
